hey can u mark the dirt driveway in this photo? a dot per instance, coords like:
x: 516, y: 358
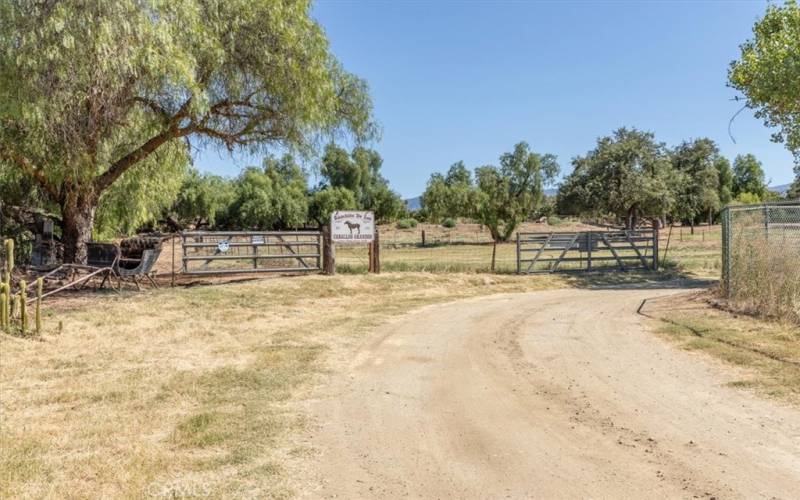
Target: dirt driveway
x: 556, y: 394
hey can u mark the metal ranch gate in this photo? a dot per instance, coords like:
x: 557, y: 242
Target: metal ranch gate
x: 233, y: 252
x: 587, y: 251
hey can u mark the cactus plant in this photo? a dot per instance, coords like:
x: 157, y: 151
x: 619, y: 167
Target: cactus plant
x: 4, y: 319
x: 9, y: 259
x: 23, y: 306
x: 12, y: 307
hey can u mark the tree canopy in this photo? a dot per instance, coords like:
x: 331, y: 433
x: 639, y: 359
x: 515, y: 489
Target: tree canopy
x: 698, y: 166
x: 451, y: 195
x: 768, y: 72
x: 748, y: 177
x: 360, y: 173
x: 273, y: 196
x: 628, y: 175
x: 89, y: 92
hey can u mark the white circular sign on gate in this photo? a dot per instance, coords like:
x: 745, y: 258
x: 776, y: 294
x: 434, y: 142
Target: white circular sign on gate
x: 224, y: 246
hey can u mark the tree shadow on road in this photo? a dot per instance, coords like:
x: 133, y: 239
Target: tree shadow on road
x: 637, y: 280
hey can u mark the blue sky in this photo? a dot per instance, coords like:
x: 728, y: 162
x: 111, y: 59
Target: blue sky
x: 460, y: 80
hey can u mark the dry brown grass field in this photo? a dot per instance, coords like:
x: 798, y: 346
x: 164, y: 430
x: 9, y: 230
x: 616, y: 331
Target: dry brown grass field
x: 190, y: 391
x: 182, y: 392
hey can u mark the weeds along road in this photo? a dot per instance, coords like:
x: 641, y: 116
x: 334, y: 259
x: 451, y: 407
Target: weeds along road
x: 556, y: 394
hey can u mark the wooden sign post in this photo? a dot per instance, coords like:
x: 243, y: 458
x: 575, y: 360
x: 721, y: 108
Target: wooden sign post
x: 328, y: 252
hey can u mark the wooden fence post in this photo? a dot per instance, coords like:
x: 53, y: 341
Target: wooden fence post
x: 376, y: 253
x: 655, y: 247
x: 423, y: 237
x: 371, y: 257
x: 172, y: 281
x: 328, y: 252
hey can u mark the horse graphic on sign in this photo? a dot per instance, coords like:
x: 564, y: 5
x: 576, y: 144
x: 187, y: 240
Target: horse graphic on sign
x: 353, y: 225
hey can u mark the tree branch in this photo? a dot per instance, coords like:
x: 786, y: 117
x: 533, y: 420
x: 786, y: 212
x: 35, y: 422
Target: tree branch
x: 119, y: 167
x: 34, y: 172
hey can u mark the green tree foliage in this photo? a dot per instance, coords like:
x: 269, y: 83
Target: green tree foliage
x: 698, y: 165
x: 725, y: 180
x: 450, y: 196
x: 141, y: 195
x: 327, y: 200
x: 20, y: 199
x: 748, y: 177
x: 627, y: 175
x: 508, y: 194
x: 90, y: 90
x: 203, y: 199
x: 794, y: 189
x: 360, y: 173
x: 272, y: 197
x: 768, y: 72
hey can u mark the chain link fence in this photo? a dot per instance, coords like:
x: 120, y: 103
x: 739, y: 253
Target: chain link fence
x: 761, y: 258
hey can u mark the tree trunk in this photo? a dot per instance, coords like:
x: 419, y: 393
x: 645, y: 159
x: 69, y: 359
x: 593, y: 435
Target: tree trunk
x: 77, y: 213
x: 630, y: 220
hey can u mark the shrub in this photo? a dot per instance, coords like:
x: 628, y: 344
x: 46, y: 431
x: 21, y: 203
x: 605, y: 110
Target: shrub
x: 555, y: 220
x: 406, y: 223
x: 449, y: 222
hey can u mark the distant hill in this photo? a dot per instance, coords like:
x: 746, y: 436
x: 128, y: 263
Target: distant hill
x: 781, y: 190
x: 414, y: 204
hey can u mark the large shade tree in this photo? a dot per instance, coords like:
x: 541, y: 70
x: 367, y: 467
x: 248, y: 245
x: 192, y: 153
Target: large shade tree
x: 768, y: 72
x: 91, y: 91
x: 508, y: 194
x: 748, y: 177
x: 628, y: 175
x: 699, y: 167
x: 273, y: 196
x: 450, y: 195
x: 360, y: 173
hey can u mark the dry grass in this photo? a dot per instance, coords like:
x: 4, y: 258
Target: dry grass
x: 698, y: 254
x: 765, y: 276
x: 468, y: 232
x: 185, y: 392
x: 767, y: 352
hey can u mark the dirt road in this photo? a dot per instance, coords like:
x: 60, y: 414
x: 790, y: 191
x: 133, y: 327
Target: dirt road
x: 557, y: 394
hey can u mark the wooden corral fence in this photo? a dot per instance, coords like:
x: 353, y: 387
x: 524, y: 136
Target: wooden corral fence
x: 587, y: 251
x: 233, y: 252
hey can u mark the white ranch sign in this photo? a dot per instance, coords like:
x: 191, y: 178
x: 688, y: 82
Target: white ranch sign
x: 353, y: 227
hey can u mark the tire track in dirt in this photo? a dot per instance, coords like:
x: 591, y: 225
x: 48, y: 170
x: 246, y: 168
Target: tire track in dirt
x: 556, y: 394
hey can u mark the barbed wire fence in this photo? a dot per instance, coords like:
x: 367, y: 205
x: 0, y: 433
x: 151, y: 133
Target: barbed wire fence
x: 761, y: 258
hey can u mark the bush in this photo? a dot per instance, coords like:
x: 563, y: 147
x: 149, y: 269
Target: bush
x: 449, y: 223
x: 406, y: 223
x: 555, y: 220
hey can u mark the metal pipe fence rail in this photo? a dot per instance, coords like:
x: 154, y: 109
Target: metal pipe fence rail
x: 234, y: 252
x: 587, y: 251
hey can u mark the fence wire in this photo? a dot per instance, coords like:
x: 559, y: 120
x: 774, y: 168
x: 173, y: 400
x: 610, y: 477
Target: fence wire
x: 761, y: 258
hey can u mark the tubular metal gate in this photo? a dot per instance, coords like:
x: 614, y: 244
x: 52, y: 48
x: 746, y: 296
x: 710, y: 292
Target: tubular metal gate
x: 587, y: 251
x: 228, y: 252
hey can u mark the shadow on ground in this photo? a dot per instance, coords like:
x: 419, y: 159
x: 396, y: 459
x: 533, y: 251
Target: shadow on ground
x: 637, y: 280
